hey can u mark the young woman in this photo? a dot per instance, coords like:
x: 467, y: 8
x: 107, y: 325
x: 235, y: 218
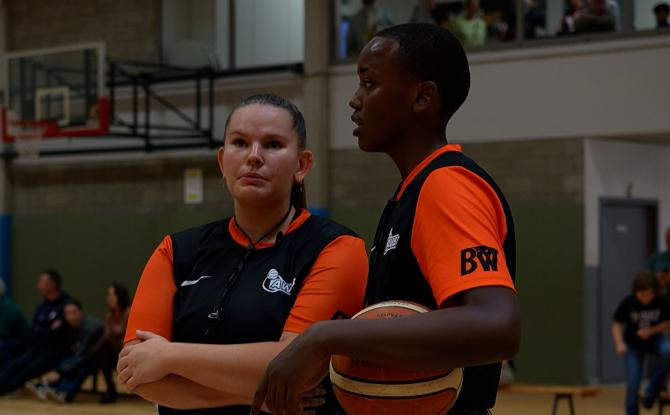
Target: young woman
x: 118, y: 305
x: 217, y: 302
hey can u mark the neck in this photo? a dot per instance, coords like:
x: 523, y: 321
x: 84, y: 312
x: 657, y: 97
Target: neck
x: 52, y: 295
x: 407, y: 158
x: 257, y: 221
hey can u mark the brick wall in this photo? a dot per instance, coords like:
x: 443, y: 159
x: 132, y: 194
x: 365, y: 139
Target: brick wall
x: 131, y: 28
x: 137, y: 186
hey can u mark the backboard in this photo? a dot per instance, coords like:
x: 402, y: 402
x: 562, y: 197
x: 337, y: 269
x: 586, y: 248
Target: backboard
x: 59, y: 90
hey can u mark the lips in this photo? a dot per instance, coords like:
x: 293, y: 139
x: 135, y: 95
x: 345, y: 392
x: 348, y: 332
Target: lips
x: 357, y: 120
x: 252, y: 178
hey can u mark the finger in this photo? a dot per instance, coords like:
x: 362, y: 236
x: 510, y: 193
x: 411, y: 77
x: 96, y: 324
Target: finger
x: 125, y: 350
x: 314, y: 393
x: 124, y: 376
x: 259, y: 395
x: 312, y: 402
x: 131, y: 385
x: 123, y: 363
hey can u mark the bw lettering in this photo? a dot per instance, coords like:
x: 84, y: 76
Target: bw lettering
x: 485, y: 256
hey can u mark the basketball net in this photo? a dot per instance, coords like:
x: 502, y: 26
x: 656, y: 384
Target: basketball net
x: 28, y: 135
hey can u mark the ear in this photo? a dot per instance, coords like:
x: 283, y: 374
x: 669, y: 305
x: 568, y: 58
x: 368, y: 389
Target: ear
x: 219, y: 158
x: 427, y: 96
x: 305, y: 163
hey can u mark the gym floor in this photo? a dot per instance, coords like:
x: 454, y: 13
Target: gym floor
x: 608, y: 402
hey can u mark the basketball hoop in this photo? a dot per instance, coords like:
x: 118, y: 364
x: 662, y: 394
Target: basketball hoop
x: 27, y: 137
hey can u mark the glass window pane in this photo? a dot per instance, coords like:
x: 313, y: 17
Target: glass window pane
x: 650, y: 14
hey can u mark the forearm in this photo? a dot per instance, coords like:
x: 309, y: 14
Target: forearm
x: 617, y: 333
x: 661, y: 327
x: 232, y: 368
x: 180, y: 393
x: 460, y: 336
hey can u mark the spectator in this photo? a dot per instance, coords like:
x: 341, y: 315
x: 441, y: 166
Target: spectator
x: 46, y: 343
x: 118, y: 305
x: 469, y: 26
x: 63, y: 383
x: 13, y: 324
x: 661, y: 11
x: 535, y: 20
x: 364, y: 24
x: 597, y: 17
x: 572, y: 12
x: 638, y: 329
x: 659, y: 264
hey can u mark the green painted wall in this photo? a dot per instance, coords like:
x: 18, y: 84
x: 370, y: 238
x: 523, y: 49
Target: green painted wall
x: 550, y: 290
x: 90, y: 250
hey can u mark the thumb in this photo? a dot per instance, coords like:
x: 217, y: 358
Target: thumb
x: 259, y: 396
x: 146, y: 335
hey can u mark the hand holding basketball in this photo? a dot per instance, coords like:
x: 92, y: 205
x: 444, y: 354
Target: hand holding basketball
x: 296, y: 371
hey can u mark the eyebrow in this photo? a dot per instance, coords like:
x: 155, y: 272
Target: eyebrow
x: 362, y: 69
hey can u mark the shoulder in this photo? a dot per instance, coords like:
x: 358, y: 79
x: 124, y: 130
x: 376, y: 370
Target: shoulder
x: 325, y: 228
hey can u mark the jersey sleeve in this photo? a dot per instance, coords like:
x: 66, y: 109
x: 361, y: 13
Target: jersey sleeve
x: 458, y: 239
x: 621, y: 311
x: 152, y: 307
x: 334, y: 286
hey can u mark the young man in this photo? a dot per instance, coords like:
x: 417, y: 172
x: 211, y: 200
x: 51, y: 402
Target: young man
x: 640, y: 323
x: 64, y: 381
x: 445, y: 240
x: 41, y: 349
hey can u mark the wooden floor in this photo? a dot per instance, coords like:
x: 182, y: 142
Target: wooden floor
x: 608, y: 402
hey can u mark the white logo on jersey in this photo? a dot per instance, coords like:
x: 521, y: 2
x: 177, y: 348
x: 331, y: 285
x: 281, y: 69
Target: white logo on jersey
x: 275, y: 283
x: 186, y: 283
x: 391, y: 241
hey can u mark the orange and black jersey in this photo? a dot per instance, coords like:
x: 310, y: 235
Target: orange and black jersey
x: 447, y: 229
x: 315, y: 271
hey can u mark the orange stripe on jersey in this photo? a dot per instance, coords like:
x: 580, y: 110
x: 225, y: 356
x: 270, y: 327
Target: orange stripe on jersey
x: 241, y: 239
x: 423, y: 164
x: 152, y: 305
x: 335, y: 283
x: 458, y: 233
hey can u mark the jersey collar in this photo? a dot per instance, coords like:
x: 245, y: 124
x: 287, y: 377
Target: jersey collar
x: 445, y: 148
x: 240, y: 239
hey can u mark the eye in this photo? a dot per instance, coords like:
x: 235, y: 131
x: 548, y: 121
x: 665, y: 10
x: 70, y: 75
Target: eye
x: 274, y: 144
x: 365, y: 83
x: 238, y: 142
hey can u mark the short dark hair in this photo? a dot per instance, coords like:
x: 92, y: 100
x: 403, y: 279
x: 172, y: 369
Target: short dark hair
x: 645, y: 280
x: 122, y: 295
x: 75, y: 303
x: 54, y: 276
x: 661, y: 7
x: 279, y: 102
x: 432, y: 53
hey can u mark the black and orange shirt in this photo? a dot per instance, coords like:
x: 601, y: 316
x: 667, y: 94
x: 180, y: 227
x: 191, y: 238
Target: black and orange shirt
x: 447, y: 229
x: 316, y: 271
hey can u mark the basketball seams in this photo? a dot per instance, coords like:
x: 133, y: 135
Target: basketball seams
x: 406, y: 390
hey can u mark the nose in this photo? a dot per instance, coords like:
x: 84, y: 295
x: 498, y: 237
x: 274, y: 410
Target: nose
x: 254, y: 157
x: 355, y: 101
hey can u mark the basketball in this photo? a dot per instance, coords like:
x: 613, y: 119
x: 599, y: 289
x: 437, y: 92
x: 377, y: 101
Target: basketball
x: 370, y: 388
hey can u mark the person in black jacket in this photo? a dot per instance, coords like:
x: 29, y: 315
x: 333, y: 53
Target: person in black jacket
x: 64, y: 381
x: 45, y: 345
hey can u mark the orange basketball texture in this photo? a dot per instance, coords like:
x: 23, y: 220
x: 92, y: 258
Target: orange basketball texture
x: 370, y: 388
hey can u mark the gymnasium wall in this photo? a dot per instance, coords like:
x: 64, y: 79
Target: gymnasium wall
x: 543, y: 181
x: 98, y: 220
x: 129, y: 27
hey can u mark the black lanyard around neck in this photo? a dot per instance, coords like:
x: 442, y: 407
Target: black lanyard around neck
x: 215, y: 318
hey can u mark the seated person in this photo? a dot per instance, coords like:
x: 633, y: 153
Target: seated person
x: 63, y: 382
x: 638, y: 329
x: 469, y: 27
x: 13, y: 324
x: 46, y: 342
x: 661, y: 12
x: 118, y: 305
x: 596, y: 17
